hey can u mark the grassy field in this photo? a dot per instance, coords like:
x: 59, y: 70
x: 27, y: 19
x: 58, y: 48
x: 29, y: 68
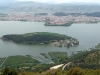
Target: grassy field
x: 1, y: 60
x: 58, y: 54
x: 58, y: 57
x: 15, y: 60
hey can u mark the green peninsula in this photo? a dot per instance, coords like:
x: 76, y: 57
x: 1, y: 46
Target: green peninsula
x: 43, y: 38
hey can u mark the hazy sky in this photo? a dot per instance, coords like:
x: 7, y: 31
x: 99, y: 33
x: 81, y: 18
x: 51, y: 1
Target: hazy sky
x: 64, y: 1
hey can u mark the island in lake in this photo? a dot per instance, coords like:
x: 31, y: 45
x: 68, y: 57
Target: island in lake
x: 49, y: 22
x: 43, y: 38
x: 58, y: 24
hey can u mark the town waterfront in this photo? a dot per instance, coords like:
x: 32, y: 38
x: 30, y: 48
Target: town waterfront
x: 87, y: 34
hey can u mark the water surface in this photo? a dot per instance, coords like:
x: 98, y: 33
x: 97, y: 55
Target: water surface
x: 87, y: 34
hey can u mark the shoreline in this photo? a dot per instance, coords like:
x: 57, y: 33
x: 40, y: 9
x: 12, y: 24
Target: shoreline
x: 34, y: 39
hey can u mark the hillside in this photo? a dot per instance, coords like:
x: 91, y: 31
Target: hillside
x: 19, y: 61
x: 36, y: 7
x: 86, y: 59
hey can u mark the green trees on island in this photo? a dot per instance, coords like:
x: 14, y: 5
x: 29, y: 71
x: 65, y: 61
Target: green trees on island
x: 38, y: 38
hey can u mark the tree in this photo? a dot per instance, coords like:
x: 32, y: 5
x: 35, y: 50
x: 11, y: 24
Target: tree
x: 8, y: 71
x: 76, y: 71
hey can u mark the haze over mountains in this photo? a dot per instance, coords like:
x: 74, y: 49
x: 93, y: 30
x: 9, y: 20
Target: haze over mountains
x: 6, y: 2
x: 3, y: 2
x: 47, y: 7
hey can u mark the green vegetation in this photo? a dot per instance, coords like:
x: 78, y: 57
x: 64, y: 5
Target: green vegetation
x: 55, y: 57
x: 93, y: 22
x: 95, y: 14
x: 65, y: 24
x: 76, y: 71
x: 1, y: 60
x: 73, y: 71
x: 3, y: 15
x: 23, y: 20
x: 60, y: 14
x: 48, y: 23
x: 58, y: 57
x: 58, y: 54
x: 19, y: 60
x: 43, y: 67
x: 98, y: 46
x: 43, y: 14
x: 87, y: 59
x: 41, y: 38
x: 9, y: 71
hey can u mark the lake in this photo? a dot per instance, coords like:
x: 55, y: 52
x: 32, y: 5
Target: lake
x: 87, y: 34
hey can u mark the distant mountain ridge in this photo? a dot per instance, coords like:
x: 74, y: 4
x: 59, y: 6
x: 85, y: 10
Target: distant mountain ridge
x: 48, y: 7
x: 81, y: 3
x: 47, y: 2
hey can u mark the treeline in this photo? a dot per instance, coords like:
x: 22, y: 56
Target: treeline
x: 95, y: 14
x: 65, y: 24
x: 43, y: 14
x: 66, y: 14
x: 35, y: 38
x: 3, y: 15
x: 60, y: 14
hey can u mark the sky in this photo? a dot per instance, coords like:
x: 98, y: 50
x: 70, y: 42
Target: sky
x: 65, y: 1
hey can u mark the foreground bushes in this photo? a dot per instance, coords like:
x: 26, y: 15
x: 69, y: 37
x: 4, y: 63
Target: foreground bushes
x: 73, y: 71
x: 8, y: 71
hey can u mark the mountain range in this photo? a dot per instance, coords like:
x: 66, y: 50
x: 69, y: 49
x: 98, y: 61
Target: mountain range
x: 8, y: 2
x: 47, y: 7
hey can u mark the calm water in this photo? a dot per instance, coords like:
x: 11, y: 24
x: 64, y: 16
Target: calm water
x: 87, y: 34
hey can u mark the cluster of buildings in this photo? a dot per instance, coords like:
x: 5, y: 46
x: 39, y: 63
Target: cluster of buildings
x: 53, y: 19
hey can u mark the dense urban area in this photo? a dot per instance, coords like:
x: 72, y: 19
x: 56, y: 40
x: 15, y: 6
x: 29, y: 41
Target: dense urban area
x: 58, y: 18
